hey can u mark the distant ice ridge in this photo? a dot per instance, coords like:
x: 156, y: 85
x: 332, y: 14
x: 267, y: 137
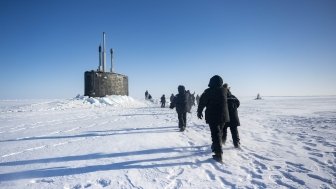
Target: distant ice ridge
x: 114, y: 100
x: 79, y: 101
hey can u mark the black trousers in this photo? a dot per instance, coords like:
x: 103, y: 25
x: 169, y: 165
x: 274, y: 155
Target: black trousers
x: 234, y: 133
x: 216, y: 136
x: 163, y: 104
x: 182, y: 117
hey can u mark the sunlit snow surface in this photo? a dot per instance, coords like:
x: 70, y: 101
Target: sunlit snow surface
x: 121, y: 142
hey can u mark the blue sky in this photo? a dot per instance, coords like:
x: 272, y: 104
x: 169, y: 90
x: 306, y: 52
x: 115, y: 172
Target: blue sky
x: 272, y: 47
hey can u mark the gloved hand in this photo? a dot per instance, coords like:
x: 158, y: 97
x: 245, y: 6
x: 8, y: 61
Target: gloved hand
x: 199, y: 115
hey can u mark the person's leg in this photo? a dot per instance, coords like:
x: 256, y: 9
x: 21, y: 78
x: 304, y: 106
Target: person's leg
x: 224, y: 134
x: 235, y: 136
x: 181, y: 121
x: 216, y: 136
x: 185, y: 119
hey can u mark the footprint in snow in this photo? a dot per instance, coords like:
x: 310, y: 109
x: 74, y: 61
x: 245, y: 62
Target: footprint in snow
x: 292, y: 178
x: 325, y: 180
x: 42, y: 180
x: 251, y: 173
x: 87, y: 185
x: 244, y: 156
x: 104, y: 182
x: 310, y: 144
x: 318, y: 161
x: 316, y: 154
x: 278, y: 180
x: 191, y: 143
x: 261, y: 157
x: 77, y: 186
x: 277, y: 167
x: 258, y: 184
x: 298, y: 167
x: 210, y: 175
x: 259, y: 166
x: 290, y: 152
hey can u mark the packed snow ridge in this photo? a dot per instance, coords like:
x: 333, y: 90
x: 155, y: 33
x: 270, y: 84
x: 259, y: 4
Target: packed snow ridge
x: 113, y: 100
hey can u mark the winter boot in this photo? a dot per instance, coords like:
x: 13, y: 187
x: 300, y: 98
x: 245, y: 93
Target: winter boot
x: 237, y: 145
x: 218, y: 157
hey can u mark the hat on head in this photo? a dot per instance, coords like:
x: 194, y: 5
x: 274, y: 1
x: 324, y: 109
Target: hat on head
x: 181, y: 89
x: 215, y: 82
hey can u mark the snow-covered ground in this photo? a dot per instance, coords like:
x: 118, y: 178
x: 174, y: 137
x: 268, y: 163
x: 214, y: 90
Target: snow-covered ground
x: 121, y: 142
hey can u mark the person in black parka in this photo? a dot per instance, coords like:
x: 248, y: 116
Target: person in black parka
x: 193, y: 99
x: 146, y: 95
x: 150, y: 98
x: 180, y: 102
x: 163, y: 101
x: 171, y: 98
x: 233, y: 105
x: 216, y: 113
x: 188, y: 101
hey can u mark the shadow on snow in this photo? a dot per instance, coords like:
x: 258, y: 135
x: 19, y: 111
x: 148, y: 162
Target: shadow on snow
x: 133, y: 164
x: 103, y: 133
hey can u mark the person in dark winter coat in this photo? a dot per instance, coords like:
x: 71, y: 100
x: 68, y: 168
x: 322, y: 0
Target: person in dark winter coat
x: 233, y: 105
x: 197, y: 99
x: 189, y: 103
x: 216, y: 113
x: 163, y: 101
x: 172, y: 98
x: 146, y: 95
x: 180, y: 102
x: 150, y: 98
x: 193, y: 99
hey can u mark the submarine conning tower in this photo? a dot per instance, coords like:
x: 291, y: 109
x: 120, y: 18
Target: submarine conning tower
x: 102, y: 82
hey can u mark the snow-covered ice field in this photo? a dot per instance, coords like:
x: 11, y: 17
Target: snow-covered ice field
x: 120, y: 142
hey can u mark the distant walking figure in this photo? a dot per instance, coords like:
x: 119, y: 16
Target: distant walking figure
x: 193, y: 99
x: 163, y: 101
x: 216, y: 113
x: 146, y: 95
x: 150, y: 98
x: 171, y: 98
x: 180, y: 102
x: 189, y: 103
x: 258, y: 97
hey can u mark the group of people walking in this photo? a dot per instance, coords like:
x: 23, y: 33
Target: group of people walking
x: 220, y: 112
x: 190, y: 99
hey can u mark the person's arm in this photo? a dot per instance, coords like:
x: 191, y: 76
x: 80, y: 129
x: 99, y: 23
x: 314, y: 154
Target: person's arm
x: 236, y: 101
x: 201, y: 105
